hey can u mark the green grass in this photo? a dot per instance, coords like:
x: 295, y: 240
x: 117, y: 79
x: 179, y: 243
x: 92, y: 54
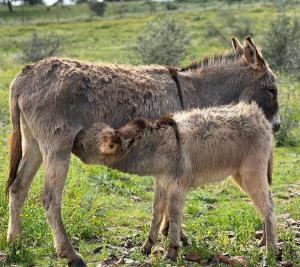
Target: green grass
x: 98, y: 208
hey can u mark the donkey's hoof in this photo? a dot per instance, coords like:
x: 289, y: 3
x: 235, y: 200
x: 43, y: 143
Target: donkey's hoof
x: 261, y: 243
x: 76, y: 263
x: 172, y: 254
x: 185, y: 240
x: 146, y: 249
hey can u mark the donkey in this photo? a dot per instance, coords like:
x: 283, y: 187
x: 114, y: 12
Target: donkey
x: 185, y: 150
x: 52, y: 100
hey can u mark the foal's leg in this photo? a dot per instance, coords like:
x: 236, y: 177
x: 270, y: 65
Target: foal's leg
x: 158, y: 209
x: 238, y: 180
x: 30, y: 163
x: 165, y: 231
x: 176, y: 199
x: 56, y: 162
x: 256, y: 185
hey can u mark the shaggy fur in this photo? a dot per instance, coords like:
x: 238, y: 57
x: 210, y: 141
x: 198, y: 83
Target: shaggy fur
x: 213, y: 144
x: 54, y: 99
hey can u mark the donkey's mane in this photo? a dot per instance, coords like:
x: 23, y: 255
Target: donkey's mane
x: 216, y: 60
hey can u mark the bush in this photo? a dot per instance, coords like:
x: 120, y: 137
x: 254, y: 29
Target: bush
x: 164, y: 42
x: 281, y: 46
x: 37, y: 47
x: 97, y: 7
x: 289, y: 131
x: 171, y: 6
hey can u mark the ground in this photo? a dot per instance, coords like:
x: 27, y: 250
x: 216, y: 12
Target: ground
x: 107, y: 212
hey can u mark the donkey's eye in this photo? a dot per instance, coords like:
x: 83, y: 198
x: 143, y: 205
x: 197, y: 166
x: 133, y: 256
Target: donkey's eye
x: 271, y: 91
x: 111, y: 146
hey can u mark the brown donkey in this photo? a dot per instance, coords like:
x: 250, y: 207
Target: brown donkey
x: 52, y: 100
x: 184, y: 151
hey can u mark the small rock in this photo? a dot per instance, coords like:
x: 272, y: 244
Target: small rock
x: 2, y: 256
x: 297, y: 234
x: 128, y: 261
x: 210, y: 207
x: 193, y: 258
x: 230, y: 234
x: 284, y: 216
x: 158, y: 250
x: 226, y: 255
x: 259, y: 234
x: 287, y: 263
x: 291, y: 222
x: 97, y: 250
x: 120, y: 261
x: 297, y: 241
x: 136, y: 198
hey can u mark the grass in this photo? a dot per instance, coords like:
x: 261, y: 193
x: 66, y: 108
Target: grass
x: 99, y: 208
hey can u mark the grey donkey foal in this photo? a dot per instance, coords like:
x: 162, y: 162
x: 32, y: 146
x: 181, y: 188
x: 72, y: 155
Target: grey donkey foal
x: 186, y: 150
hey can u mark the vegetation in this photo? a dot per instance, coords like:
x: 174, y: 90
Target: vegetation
x: 37, y: 48
x: 282, y: 44
x: 97, y: 7
x: 109, y: 212
x: 164, y: 42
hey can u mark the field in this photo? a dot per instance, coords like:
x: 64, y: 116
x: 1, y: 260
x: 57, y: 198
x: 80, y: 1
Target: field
x: 110, y: 212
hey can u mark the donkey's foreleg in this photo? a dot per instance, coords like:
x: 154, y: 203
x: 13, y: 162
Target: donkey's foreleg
x: 56, y: 167
x: 176, y: 199
x: 158, y: 209
x: 30, y: 163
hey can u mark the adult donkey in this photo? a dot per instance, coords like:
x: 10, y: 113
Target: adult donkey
x: 52, y: 100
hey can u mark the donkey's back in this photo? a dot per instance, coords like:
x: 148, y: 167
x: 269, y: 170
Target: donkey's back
x: 217, y: 142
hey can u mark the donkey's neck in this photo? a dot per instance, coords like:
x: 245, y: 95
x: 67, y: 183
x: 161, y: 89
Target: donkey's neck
x: 213, y: 86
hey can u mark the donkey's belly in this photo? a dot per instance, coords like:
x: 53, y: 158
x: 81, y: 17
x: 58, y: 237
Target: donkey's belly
x: 210, y: 176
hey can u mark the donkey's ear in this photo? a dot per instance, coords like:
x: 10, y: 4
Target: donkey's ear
x: 237, y: 45
x: 252, y: 53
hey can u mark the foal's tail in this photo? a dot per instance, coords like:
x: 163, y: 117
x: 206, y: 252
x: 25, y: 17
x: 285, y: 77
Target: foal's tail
x: 15, y: 146
x: 270, y: 168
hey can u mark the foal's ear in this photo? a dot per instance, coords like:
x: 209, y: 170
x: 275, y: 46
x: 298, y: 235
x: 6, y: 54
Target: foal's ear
x: 110, y: 143
x: 237, y: 45
x: 252, y: 53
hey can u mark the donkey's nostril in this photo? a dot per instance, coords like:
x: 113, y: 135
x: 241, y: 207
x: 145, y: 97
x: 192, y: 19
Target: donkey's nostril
x: 276, y: 127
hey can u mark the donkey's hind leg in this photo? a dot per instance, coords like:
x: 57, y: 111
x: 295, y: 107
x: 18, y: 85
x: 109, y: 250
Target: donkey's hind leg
x: 30, y: 163
x: 56, y: 160
x: 238, y: 180
x: 255, y: 183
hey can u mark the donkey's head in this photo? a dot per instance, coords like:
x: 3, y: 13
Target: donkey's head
x: 241, y: 75
x: 261, y: 83
x: 111, y: 142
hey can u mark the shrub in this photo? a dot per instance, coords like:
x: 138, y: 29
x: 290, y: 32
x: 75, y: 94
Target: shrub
x: 164, y: 42
x: 38, y: 47
x: 281, y: 46
x: 97, y: 7
x: 289, y: 131
x: 171, y: 6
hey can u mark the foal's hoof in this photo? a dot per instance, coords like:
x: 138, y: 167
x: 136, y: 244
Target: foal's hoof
x: 76, y: 263
x: 172, y: 254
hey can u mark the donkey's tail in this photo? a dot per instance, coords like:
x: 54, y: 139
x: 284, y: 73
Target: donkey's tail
x: 15, y: 145
x: 270, y: 168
